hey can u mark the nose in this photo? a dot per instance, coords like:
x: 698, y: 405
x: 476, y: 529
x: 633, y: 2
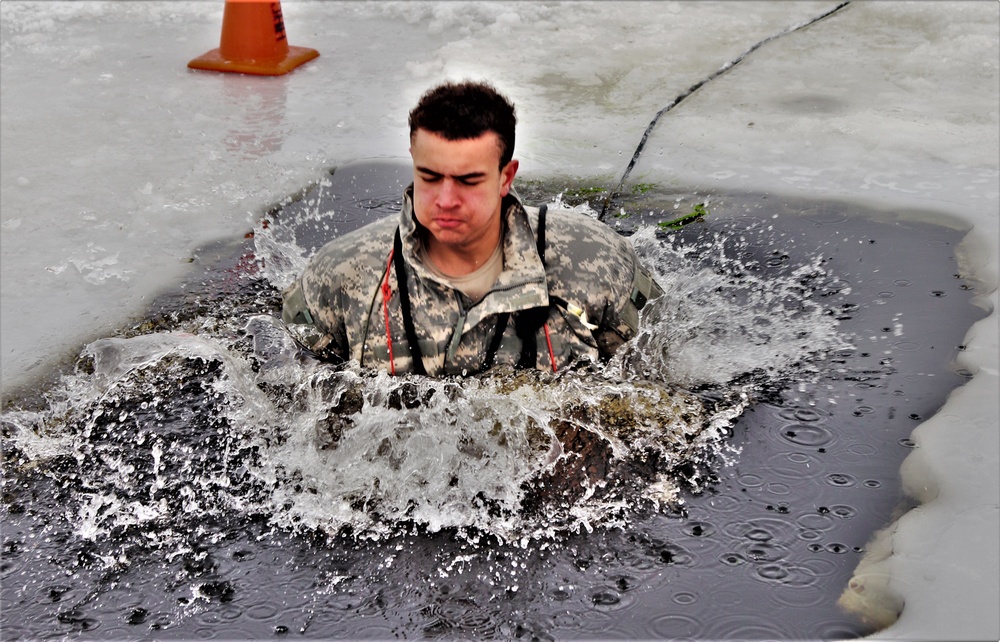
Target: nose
x: 447, y: 196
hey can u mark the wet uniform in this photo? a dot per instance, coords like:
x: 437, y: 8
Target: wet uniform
x: 570, y: 289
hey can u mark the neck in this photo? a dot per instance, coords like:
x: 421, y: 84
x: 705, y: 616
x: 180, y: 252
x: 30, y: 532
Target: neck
x: 453, y: 260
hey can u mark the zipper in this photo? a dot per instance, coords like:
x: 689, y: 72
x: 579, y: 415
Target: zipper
x: 456, y: 335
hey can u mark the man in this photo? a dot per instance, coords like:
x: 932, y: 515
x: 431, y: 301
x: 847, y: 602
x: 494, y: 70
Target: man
x: 467, y: 277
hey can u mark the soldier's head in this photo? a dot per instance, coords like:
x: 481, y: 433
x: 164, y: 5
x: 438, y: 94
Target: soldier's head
x: 462, y: 144
x: 464, y: 110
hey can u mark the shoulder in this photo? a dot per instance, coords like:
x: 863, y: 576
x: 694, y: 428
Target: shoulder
x: 348, y: 265
x: 582, y: 239
x: 365, y: 246
x: 588, y: 263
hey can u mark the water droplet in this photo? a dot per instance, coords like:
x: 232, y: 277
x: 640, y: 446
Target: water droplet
x: 843, y: 511
x: 759, y: 534
x: 137, y: 616
x: 805, y: 414
x: 605, y: 598
x: 699, y: 529
x: 685, y: 598
x: 807, y: 435
x: 840, y: 479
x: 773, y: 572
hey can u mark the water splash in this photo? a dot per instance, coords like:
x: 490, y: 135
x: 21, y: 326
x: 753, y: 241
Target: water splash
x: 722, y: 318
x: 163, y: 428
x: 170, y: 459
x: 168, y: 433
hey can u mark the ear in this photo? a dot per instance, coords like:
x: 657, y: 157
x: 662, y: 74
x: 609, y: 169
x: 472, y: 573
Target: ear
x: 507, y: 176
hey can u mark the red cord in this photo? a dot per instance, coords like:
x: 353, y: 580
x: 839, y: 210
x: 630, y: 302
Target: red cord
x: 548, y: 340
x: 386, y: 293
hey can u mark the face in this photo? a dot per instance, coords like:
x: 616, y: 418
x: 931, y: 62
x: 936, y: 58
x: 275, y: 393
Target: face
x: 458, y: 186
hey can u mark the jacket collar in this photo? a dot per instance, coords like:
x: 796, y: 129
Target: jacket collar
x: 522, y: 283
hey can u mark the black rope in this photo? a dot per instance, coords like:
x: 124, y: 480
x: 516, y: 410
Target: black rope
x: 695, y: 87
x: 528, y: 322
x: 404, y: 304
x: 491, y: 350
x: 540, y: 239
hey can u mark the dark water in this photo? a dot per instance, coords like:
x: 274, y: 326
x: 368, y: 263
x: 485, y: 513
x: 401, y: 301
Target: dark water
x: 135, y: 511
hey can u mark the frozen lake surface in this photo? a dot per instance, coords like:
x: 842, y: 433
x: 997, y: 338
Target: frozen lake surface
x: 119, y: 165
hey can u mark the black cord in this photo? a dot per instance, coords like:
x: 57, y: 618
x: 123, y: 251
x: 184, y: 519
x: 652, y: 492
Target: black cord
x: 695, y: 87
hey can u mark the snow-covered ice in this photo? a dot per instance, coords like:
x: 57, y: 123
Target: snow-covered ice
x: 118, y: 162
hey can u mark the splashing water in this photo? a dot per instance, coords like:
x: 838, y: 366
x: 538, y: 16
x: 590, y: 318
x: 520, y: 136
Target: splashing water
x: 163, y: 442
x: 229, y: 417
x: 721, y: 318
x: 205, y: 432
x: 160, y: 428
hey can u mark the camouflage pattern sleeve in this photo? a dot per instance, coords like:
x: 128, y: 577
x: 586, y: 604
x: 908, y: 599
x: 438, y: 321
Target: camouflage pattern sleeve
x: 327, y: 307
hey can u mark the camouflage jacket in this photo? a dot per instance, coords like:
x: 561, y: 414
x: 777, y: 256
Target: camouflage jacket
x: 588, y: 292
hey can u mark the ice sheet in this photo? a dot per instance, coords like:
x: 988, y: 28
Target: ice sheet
x: 118, y: 163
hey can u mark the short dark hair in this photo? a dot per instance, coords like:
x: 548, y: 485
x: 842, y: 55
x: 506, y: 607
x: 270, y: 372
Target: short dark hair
x: 458, y: 111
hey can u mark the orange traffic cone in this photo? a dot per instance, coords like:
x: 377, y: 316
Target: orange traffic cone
x: 253, y: 42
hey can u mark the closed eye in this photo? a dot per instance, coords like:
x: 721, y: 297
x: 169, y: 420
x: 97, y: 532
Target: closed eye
x: 429, y: 176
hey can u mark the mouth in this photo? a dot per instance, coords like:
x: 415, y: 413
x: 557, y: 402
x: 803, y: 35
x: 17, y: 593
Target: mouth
x: 447, y: 223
